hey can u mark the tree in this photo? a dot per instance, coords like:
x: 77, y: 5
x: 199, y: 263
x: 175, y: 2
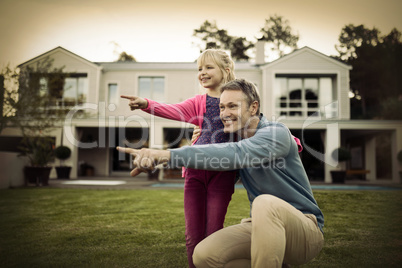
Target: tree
x: 239, y: 48
x: 124, y: 57
x: 278, y: 34
x: 352, y: 37
x: 31, y: 94
x: 8, y: 95
x: 213, y: 37
x: 39, y: 88
x: 375, y: 78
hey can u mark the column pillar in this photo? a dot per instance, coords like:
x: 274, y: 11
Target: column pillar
x: 332, y: 141
x: 73, y: 160
x: 370, y: 161
x: 396, y: 147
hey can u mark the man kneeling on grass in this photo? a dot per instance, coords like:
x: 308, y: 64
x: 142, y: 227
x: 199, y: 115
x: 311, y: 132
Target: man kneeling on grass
x: 286, y: 223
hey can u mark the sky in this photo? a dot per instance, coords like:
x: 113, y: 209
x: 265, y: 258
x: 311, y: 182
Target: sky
x: 161, y: 30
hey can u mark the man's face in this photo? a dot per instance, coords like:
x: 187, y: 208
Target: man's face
x: 234, y: 111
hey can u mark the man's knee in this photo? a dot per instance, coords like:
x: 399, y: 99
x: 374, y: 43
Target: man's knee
x: 268, y: 205
x: 223, y: 246
x: 201, y: 255
x: 265, y: 201
x: 206, y: 255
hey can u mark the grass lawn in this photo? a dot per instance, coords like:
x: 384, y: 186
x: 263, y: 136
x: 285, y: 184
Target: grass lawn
x: 42, y: 227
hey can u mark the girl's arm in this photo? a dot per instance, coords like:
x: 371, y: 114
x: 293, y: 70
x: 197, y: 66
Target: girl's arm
x: 185, y: 111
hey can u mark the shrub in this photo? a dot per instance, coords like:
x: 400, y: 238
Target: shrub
x: 341, y: 154
x: 62, y: 152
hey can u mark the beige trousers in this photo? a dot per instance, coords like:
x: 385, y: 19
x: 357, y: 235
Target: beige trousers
x: 276, y: 234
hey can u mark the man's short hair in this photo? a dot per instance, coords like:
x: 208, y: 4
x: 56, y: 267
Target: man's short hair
x: 248, y: 88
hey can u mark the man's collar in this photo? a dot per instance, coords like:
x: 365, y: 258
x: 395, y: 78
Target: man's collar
x: 262, y: 122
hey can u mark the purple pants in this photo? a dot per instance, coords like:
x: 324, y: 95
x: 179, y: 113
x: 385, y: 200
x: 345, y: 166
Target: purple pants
x: 206, y: 198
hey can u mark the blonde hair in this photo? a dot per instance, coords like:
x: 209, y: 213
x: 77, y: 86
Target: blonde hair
x: 220, y: 58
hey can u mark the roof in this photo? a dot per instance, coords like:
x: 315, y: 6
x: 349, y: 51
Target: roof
x: 59, y: 48
x: 185, y: 65
x: 313, y: 51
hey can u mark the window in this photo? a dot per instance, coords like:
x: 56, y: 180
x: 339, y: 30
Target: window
x: 302, y: 96
x: 152, y: 87
x: 112, y: 93
x: 66, y: 89
x: 10, y: 144
x: 75, y: 89
x: 43, y: 86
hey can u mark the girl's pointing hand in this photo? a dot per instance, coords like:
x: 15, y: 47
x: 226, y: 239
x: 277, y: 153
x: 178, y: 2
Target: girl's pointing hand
x: 136, y: 102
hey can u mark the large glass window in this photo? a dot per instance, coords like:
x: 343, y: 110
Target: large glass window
x: 152, y: 87
x: 75, y: 90
x: 65, y: 90
x: 302, y: 96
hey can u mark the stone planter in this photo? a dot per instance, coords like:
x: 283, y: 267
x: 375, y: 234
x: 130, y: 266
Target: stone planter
x: 37, y: 175
x: 63, y: 172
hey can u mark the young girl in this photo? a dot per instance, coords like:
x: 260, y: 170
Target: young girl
x: 206, y: 193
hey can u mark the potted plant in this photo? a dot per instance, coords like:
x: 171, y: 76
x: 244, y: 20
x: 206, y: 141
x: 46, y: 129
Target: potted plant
x: 341, y: 155
x: 39, y: 151
x: 37, y: 117
x: 62, y: 153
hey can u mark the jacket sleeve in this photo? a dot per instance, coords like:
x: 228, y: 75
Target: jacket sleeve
x: 268, y: 144
x: 299, y: 145
x: 185, y: 111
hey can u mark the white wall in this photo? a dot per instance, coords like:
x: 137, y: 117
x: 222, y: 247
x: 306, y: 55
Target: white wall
x: 179, y: 86
x: 12, y: 170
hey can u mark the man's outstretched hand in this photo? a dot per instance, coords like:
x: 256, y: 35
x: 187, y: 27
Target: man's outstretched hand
x: 146, y: 159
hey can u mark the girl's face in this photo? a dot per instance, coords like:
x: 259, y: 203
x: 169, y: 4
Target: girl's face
x: 210, y: 75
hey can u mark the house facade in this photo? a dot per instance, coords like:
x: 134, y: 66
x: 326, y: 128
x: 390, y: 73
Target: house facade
x: 306, y: 90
